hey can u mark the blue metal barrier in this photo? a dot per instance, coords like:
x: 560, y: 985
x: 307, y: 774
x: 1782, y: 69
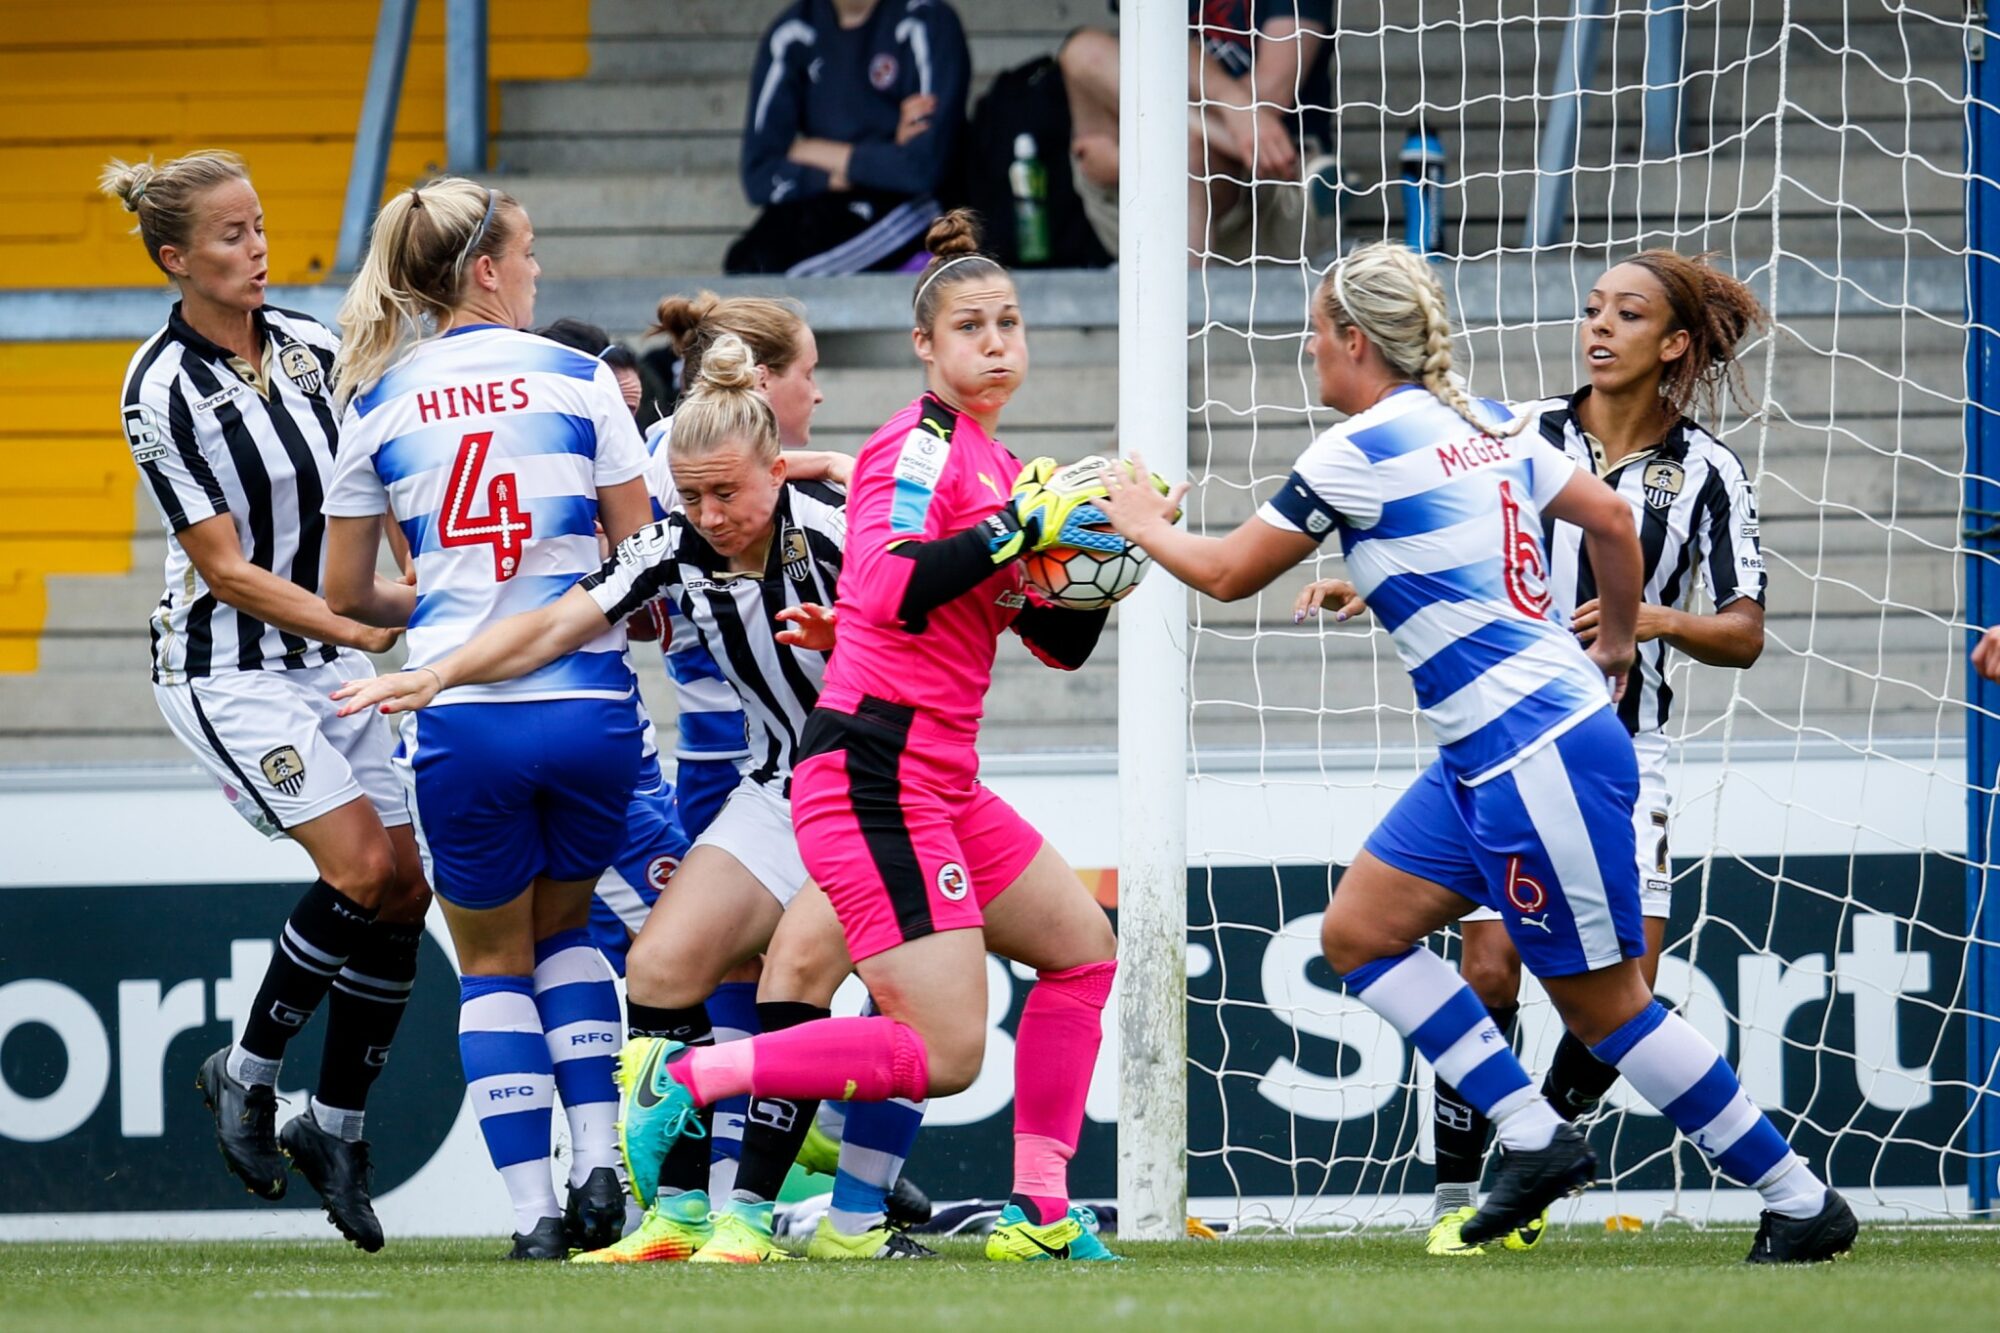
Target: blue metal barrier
x: 464, y: 112
x: 1982, y: 571
x: 465, y: 87
x: 370, y: 168
x: 1562, y: 132
x: 1666, y: 39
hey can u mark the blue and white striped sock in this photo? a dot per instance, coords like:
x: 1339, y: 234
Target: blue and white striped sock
x: 877, y: 1140
x: 1432, y: 1006
x: 1676, y: 1069
x: 578, y: 1002
x: 512, y: 1085
x: 732, y: 1013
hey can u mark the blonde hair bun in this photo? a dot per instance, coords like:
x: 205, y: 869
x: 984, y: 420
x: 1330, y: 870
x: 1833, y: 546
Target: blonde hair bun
x: 728, y: 366
x: 167, y: 197
x: 126, y: 181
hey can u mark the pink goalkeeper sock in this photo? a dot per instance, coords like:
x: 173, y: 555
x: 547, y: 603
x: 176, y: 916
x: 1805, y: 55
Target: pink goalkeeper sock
x: 829, y: 1059
x: 1055, y: 1053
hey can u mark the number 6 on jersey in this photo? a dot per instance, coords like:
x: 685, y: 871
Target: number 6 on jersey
x: 504, y: 525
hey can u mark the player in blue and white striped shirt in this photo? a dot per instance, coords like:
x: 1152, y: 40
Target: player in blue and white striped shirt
x: 1528, y: 807
x: 497, y: 451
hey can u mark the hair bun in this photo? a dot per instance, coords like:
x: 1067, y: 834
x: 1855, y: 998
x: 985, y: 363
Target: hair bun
x: 956, y: 233
x: 127, y: 181
x: 679, y: 316
x: 727, y: 366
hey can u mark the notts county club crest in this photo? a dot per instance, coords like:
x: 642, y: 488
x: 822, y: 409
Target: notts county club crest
x: 301, y: 367
x: 798, y: 565
x: 1662, y: 483
x: 284, y: 770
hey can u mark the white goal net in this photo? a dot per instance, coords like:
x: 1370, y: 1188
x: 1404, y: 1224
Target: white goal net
x: 1820, y: 932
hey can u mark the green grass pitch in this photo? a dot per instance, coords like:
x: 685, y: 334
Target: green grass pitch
x: 1916, y: 1280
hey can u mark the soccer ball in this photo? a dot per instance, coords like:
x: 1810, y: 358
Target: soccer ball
x: 1085, y: 580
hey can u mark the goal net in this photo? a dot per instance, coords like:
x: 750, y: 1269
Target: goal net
x: 1819, y: 838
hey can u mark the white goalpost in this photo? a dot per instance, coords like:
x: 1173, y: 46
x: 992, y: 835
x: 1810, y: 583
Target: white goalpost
x: 1832, y: 933
x: 1152, y: 640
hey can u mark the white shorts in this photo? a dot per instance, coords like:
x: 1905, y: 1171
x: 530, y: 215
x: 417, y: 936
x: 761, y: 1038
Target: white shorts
x: 755, y: 827
x: 1649, y: 830
x: 271, y: 739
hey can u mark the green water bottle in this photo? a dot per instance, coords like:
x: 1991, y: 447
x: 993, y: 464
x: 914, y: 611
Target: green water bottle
x: 1029, y: 182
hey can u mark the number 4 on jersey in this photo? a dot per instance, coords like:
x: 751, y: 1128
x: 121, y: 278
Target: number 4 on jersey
x: 505, y: 525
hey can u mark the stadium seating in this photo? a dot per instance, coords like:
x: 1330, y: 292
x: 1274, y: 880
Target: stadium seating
x: 630, y: 173
x: 83, y: 83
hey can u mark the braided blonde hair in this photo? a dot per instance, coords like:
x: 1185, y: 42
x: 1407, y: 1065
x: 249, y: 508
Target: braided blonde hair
x: 1391, y: 294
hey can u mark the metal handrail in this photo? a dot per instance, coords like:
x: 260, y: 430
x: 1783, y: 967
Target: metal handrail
x: 465, y: 112
x: 1576, y: 71
x: 370, y: 167
x: 465, y: 87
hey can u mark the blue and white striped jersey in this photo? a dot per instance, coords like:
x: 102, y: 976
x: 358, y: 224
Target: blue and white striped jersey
x: 1442, y: 529
x: 490, y: 445
x: 711, y: 722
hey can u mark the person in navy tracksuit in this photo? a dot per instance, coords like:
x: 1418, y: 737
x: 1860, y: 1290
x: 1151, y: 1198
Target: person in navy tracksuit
x: 854, y: 112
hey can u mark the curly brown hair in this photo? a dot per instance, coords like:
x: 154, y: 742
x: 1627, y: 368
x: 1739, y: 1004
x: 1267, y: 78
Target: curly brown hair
x: 1718, y: 312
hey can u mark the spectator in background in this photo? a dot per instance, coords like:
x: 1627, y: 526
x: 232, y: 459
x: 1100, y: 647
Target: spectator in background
x: 1258, y: 74
x: 855, y: 110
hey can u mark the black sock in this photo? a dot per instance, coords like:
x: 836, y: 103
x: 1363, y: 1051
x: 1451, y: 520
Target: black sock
x: 1577, y: 1080
x: 368, y: 1000
x: 323, y: 930
x: 689, y: 1027
x: 1460, y: 1130
x: 775, y: 1129
x: 686, y: 1164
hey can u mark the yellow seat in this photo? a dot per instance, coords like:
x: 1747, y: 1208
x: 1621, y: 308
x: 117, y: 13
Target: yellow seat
x: 279, y: 83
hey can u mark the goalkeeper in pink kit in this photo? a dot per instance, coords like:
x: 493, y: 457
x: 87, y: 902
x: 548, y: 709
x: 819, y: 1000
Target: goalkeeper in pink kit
x: 927, y: 868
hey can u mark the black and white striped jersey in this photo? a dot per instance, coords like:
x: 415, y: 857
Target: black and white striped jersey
x: 209, y: 439
x: 1697, y: 518
x: 736, y: 614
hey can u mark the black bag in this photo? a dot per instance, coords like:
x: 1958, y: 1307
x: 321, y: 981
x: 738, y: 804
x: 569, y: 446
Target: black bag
x: 1027, y: 99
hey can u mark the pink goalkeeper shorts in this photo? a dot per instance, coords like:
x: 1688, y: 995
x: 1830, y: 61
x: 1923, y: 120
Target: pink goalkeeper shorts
x: 895, y: 826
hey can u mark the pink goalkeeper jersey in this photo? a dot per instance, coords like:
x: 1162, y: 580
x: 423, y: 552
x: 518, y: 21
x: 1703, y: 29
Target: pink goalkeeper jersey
x: 929, y: 473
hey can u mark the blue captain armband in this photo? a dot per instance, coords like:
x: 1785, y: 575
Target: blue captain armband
x: 1298, y: 504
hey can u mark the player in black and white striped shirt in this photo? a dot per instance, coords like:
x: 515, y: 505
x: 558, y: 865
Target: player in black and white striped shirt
x: 228, y: 413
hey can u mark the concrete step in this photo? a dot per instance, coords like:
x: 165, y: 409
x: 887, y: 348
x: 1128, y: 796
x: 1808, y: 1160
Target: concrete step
x: 712, y: 18
x: 83, y: 702
x: 714, y: 148
x: 673, y: 56
x: 564, y: 204
x: 64, y: 751
x: 636, y: 254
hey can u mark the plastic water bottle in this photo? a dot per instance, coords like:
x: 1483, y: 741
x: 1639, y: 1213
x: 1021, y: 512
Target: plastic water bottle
x: 1423, y: 191
x: 1029, y: 182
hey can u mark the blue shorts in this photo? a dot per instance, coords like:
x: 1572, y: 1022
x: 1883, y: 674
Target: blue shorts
x: 1547, y: 844
x: 704, y: 784
x: 655, y: 846
x: 504, y: 792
